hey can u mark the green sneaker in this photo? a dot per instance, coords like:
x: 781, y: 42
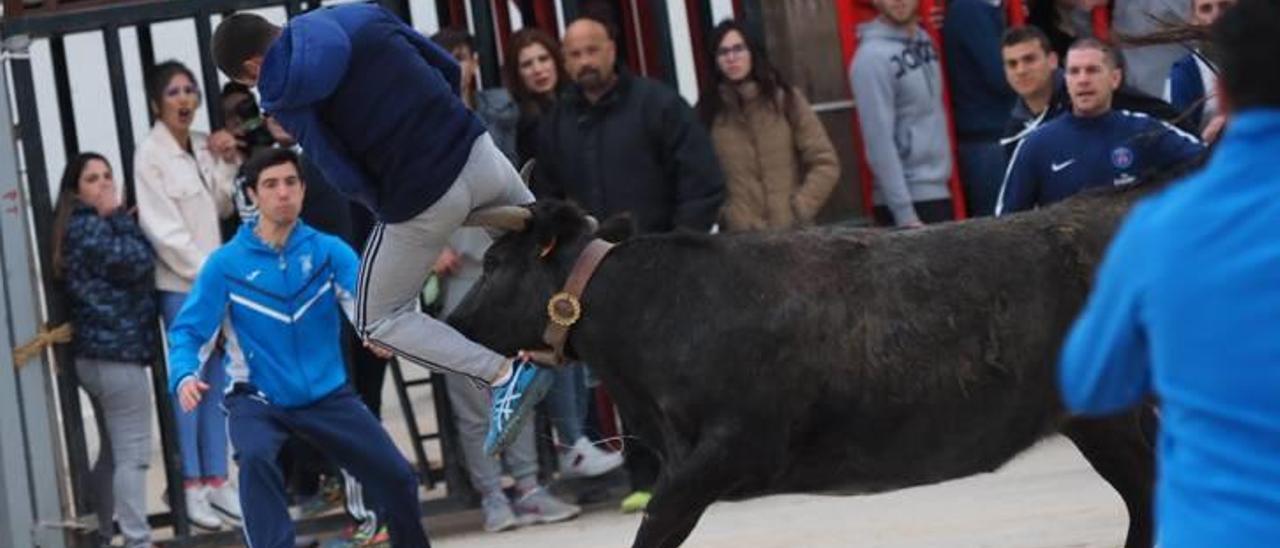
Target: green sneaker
x: 635, y: 502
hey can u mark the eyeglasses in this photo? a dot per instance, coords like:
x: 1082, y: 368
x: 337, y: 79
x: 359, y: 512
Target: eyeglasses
x: 734, y: 50
x: 180, y: 90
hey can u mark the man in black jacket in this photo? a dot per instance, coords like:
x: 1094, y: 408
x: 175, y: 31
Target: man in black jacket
x: 618, y: 143
x: 1031, y: 67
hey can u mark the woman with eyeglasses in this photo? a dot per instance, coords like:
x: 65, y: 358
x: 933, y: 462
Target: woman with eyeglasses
x: 185, y: 185
x: 779, y: 165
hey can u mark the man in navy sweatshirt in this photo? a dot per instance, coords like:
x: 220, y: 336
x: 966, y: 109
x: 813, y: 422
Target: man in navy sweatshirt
x: 980, y: 97
x: 376, y: 106
x: 1184, y: 310
x: 1094, y: 145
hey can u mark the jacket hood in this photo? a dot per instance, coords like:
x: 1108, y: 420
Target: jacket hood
x: 305, y: 64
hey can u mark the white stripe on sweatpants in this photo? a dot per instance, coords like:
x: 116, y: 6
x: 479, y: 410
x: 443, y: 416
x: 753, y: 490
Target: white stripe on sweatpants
x: 399, y: 260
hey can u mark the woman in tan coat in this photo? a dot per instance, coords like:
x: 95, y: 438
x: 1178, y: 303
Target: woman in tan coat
x: 779, y: 165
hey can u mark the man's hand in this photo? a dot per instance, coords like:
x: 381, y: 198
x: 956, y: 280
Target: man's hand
x: 379, y: 351
x: 190, y: 392
x: 1213, y: 129
x: 447, y: 263
x: 225, y: 146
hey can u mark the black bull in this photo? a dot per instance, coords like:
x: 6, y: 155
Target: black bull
x: 824, y: 360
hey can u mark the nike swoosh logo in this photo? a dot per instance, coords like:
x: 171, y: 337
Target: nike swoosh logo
x: 1056, y: 167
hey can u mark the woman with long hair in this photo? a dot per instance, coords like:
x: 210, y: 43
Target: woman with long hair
x: 108, y: 267
x: 185, y: 184
x: 779, y: 164
x: 534, y: 74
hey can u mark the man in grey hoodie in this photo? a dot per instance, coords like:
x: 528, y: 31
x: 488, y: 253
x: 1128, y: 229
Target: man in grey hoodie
x: 897, y: 83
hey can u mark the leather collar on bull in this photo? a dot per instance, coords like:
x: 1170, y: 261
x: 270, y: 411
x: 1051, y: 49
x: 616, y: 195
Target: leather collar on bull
x: 564, y: 308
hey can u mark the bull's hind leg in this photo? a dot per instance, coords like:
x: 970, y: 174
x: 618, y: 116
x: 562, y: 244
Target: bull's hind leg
x: 1120, y: 452
x: 686, y: 488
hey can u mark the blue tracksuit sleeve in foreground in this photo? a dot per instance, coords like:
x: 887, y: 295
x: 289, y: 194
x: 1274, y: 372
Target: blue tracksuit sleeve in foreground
x: 194, y: 332
x: 1106, y: 365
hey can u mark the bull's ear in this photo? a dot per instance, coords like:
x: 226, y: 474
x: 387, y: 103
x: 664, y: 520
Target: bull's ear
x: 616, y: 228
x: 513, y: 218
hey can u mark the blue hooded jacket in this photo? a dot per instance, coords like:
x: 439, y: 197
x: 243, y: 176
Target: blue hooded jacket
x: 283, y: 308
x: 373, y: 103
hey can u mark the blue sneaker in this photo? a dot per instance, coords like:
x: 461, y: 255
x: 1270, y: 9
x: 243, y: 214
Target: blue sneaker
x: 513, y: 402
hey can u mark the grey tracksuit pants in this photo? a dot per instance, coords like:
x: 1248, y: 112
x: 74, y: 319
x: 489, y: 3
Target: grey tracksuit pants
x: 398, y: 258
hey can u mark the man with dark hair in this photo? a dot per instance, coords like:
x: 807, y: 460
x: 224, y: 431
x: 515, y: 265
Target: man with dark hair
x: 1032, y: 69
x: 376, y: 107
x: 618, y: 144
x: 1094, y: 145
x: 1183, y: 311
x: 276, y: 283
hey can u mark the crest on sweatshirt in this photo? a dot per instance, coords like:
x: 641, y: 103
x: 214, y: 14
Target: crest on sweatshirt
x: 305, y: 261
x: 1122, y: 157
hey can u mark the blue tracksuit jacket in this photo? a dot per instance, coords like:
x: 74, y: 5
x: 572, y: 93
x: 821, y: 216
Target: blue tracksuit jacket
x: 283, y: 308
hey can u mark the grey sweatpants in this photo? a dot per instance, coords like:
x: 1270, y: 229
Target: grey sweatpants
x: 121, y: 398
x: 398, y: 258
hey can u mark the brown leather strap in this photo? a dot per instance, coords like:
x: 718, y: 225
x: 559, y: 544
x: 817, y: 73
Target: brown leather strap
x: 565, y: 308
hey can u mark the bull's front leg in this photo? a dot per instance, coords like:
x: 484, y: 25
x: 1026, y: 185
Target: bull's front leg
x: 685, y: 489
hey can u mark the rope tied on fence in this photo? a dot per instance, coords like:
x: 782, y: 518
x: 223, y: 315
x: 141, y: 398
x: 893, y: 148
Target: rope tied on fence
x: 45, y: 338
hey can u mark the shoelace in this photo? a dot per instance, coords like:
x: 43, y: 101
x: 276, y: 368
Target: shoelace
x: 509, y: 395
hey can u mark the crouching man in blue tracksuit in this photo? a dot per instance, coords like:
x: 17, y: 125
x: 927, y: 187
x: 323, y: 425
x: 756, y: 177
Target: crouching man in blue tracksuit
x: 277, y: 288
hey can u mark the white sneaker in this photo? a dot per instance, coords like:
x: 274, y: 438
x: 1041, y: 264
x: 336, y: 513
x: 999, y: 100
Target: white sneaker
x: 585, y: 460
x: 199, y: 512
x: 226, y: 500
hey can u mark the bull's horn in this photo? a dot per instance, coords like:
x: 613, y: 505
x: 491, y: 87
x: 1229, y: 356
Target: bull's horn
x: 592, y: 224
x: 513, y: 218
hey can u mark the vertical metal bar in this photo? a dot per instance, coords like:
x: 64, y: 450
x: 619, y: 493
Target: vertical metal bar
x: 570, y: 10
x: 502, y: 25
x: 36, y: 408
x: 411, y: 422
x: 292, y: 8
x: 209, y: 71
x: 147, y: 56
x: 41, y: 203
x: 120, y: 102
x: 62, y: 86
x: 169, y: 451
x: 751, y: 13
x: 485, y: 41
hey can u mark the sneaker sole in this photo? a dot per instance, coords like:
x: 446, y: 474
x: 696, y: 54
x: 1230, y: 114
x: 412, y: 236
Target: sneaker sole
x: 532, y: 395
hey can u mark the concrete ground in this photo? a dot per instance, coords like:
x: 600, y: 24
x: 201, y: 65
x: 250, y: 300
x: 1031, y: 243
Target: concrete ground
x: 1048, y: 497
